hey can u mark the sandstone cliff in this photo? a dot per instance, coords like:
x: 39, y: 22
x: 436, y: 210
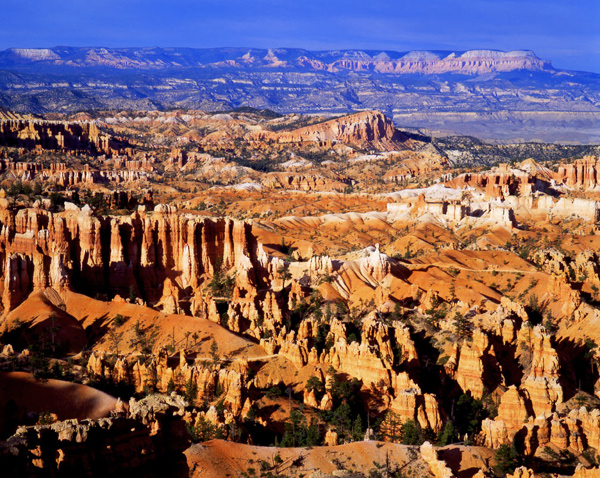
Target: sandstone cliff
x: 43, y: 134
x: 363, y: 130
x: 581, y: 174
x: 469, y: 62
x: 117, y: 254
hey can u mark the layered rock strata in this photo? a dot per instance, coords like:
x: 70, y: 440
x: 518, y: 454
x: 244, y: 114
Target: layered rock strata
x: 31, y: 134
x: 365, y: 130
x: 76, y: 249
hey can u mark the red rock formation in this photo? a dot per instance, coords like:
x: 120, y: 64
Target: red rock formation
x: 581, y: 174
x: 144, y: 163
x: 141, y: 437
x: 45, y: 134
x: 302, y: 182
x: 469, y: 372
x: 369, y: 129
x: 500, y: 182
x: 74, y: 178
x: 494, y: 433
x: 522, y: 472
x: 512, y: 414
x: 331, y: 438
x: 140, y: 251
x: 438, y: 467
x: 541, y: 385
x: 512, y: 410
x: 411, y: 404
x: 582, y: 472
x: 207, y: 378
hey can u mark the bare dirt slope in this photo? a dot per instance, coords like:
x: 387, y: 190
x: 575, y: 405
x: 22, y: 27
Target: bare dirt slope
x: 65, y: 399
x: 219, y: 458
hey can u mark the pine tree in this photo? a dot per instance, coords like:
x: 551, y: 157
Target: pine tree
x: 313, y: 437
x: 203, y: 430
x: 412, y: 434
x: 507, y: 459
x: 462, y: 326
x: 447, y: 435
x: 114, y: 340
x: 391, y: 426
x: 191, y: 391
x: 214, y: 352
x: 357, y: 429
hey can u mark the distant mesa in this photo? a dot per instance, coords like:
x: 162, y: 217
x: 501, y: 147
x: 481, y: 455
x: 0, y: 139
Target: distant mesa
x: 499, y: 95
x: 472, y: 62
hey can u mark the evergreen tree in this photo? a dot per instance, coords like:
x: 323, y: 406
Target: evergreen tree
x: 357, y: 429
x: 391, y: 426
x: 214, y: 352
x: 313, y: 437
x: 295, y: 430
x: 144, y: 338
x: 507, y: 459
x: 468, y: 415
x: 203, y: 430
x: 412, y: 434
x: 447, y: 435
x: 462, y: 326
x: 313, y: 383
x: 114, y: 340
x: 191, y: 391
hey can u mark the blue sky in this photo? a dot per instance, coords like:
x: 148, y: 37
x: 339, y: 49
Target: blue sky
x: 565, y: 32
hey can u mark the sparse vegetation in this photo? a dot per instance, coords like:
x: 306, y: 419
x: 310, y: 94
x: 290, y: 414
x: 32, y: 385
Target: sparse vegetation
x: 284, y: 346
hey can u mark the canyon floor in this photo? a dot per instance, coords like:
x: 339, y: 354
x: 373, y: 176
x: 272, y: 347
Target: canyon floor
x: 250, y: 294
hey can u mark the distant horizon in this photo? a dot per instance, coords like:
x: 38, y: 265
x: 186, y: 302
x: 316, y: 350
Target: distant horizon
x: 253, y: 48
x: 565, y: 34
x: 238, y: 47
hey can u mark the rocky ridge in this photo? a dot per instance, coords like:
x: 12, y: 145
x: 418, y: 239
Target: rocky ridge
x: 366, y: 129
x: 460, y: 309
x: 43, y: 134
x: 141, y: 437
x: 422, y: 62
x: 509, y: 96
